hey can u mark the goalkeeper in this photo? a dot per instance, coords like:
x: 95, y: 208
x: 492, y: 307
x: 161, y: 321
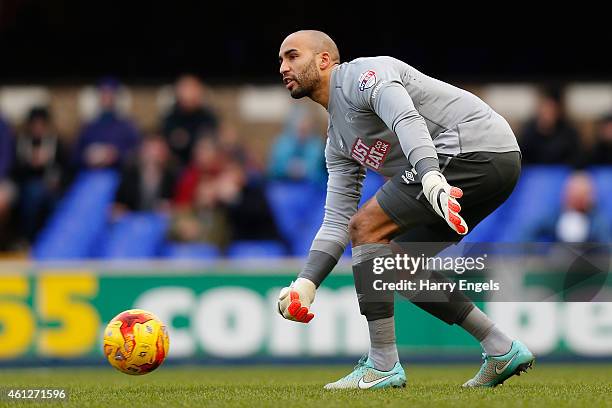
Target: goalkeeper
x: 451, y: 161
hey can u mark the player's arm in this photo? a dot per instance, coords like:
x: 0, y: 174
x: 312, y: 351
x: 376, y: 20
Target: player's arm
x: 343, y: 194
x: 395, y: 107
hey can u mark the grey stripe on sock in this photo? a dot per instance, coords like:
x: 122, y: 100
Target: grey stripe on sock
x: 366, y: 252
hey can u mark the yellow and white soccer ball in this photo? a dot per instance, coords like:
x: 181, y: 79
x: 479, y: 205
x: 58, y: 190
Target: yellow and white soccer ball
x: 136, y: 342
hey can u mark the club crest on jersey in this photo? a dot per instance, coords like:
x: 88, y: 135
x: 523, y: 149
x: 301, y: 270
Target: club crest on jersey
x: 367, y: 80
x: 371, y: 156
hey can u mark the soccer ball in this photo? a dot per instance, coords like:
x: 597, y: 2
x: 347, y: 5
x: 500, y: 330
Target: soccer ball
x: 136, y: 342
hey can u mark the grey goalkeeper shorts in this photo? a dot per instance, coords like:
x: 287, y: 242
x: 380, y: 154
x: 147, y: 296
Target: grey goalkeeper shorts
x: 487, y: 180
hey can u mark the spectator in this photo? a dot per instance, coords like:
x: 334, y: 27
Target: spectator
x: 601, y: 152
x: 205, y: 190
x: 231, y: 145
x: 7, y: 188
x: 6, y: 149
x: 203, y: 221
x: 215, y: 191
x: 39, y: 171
x: 148, y: 183
x: 298, y: 153
x: 7, y: 227
x: 549, y: 138
x: 211, y: 165
x: 109, y: 139
x: 189, y: 119
x: 579, y: 218
x: 251, y: 217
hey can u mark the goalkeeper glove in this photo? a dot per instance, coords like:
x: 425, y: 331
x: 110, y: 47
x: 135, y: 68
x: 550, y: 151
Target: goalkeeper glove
x: 442, y: 198
x: 294, y: 301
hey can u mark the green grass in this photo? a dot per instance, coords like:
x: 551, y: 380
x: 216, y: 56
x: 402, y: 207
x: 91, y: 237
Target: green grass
x: 548, y: 385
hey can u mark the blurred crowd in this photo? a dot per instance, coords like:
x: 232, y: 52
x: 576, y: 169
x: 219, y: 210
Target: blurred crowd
x: 551, y: 138
x: 195, y: 168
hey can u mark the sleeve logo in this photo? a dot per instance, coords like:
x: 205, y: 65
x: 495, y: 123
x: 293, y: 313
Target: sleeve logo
x: 367, y: 80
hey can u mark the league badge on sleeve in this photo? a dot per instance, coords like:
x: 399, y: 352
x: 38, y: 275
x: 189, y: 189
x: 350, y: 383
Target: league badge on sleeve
x: 367, y: 80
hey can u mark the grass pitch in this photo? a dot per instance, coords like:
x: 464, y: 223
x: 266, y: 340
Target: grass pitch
x: 548, y: 385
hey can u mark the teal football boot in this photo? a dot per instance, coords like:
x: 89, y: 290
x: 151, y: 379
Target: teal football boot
x: 365, y: 377
x: 497, y: 369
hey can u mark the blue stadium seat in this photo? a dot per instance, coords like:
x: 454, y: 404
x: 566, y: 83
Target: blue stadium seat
x: 371, y: 184
x: 602, y: 177
x: 488, y: 230
x: 297, y: 208
x: 74, y: 229
x: 190, y: 251
x: 138, y: 235
x: 537, y: 194
x: 256, y: 249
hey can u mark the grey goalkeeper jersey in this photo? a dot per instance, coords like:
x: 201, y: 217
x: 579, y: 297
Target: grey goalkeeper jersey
x: 387, y: 116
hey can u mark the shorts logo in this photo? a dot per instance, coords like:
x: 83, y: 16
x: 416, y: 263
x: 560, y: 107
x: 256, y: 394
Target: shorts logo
x: 367, y: 80
x: 371, y: 156
x: 408, y: 176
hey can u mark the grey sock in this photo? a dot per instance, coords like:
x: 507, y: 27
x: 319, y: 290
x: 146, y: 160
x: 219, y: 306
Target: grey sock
x: 494, y: 341
x: 383, y: 350
x: 366, y: 252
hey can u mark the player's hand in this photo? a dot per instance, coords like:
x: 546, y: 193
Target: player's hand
x: 443, y: 199
x: 294, y: 301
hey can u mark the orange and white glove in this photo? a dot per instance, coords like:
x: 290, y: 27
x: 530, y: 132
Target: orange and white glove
x: 294, y: 301
x: 443, y: 199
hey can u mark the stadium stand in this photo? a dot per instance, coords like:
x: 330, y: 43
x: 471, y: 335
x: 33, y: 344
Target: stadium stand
x: 256, y: 249
x: 193, y: 251
x: 79, y: 228
x: 74, y: 229
x: 136, y: 236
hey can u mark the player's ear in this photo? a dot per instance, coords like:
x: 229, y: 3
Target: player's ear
x: 325, y: 60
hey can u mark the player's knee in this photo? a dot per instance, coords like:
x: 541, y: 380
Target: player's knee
x: 362, y: 230
x: 376, y: 310
x: 356, y: 227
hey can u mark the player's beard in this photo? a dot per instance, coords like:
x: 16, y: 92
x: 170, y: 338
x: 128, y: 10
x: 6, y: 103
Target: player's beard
x: 306, y: 81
